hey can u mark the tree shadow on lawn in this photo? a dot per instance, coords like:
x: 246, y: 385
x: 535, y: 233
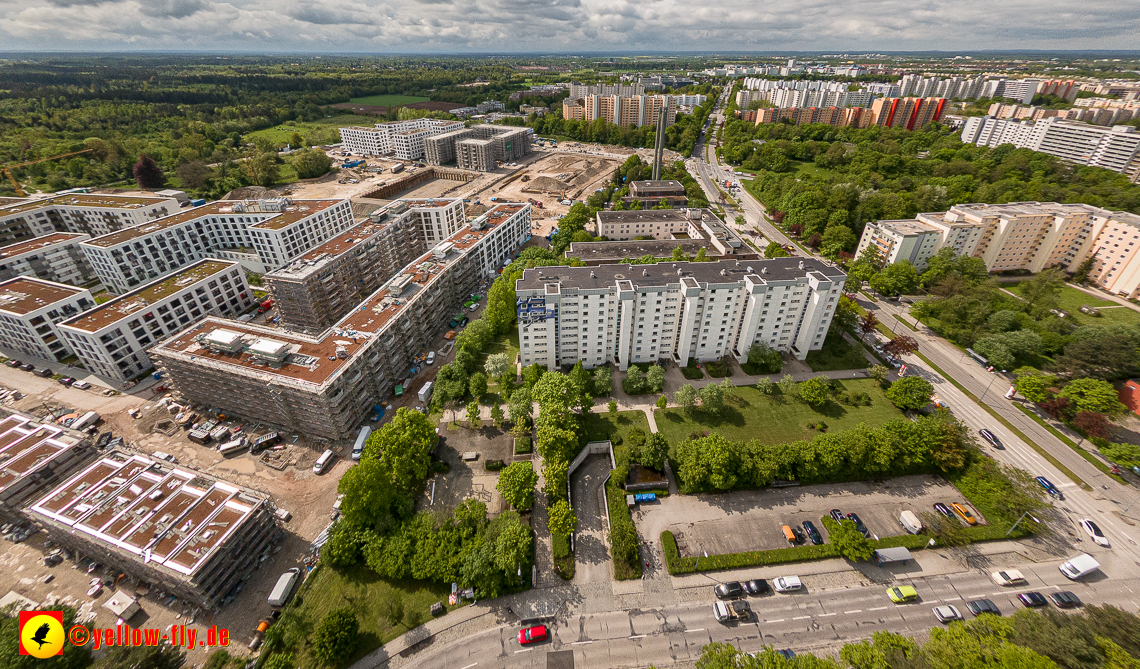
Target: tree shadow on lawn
x: 830, y: 410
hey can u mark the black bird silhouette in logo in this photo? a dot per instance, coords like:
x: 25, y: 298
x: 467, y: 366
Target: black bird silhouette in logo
x: 40, y: 636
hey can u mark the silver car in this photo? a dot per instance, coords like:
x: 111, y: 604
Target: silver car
x: 947, y: 614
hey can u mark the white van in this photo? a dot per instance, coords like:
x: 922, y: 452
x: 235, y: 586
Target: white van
x: 431, y: 358
x: 1082, y: 565
x: 323, y: 462
x: 361, y: 440
x: 284, y: 588
x: 235, y: 446
x: 425, y: 392
x: 910, y: 522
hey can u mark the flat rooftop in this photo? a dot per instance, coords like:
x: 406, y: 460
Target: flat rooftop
x: 271, y: 220
x: 672, y: 273
x: 167, y: 516
x: 85, y: 201
x: 314, y: 360
x: 27, y: 446
x: 658, y: 184
x: 645, y: 215
x: 24, y: 294
x: 39, y: 244
x: 94, y: 320
x: 658, y: 248
x: 907, y: 227
x: 321, y: 255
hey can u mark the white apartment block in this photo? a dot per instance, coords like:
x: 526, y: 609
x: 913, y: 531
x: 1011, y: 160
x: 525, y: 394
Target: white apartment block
x: 30, y: 310
x: 403, y: 138
x: 1116, y: 250
x: 625, y: 314
x: 896, y: 241
x: 56, y: 256
x: 112, y: 339
x: 1116, y: 148
x: 260, y: 234
x: 87, y: 213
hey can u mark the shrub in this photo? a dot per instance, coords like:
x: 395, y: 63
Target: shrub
x: 493, y: 465
x: 523, y: 445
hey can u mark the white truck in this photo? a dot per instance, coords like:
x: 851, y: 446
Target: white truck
x: 425, y: 392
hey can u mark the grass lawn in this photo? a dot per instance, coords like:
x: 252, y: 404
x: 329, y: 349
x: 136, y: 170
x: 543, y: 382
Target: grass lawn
x: 360, y: 588
x: 1071, y: 300
x: 837, y: 353
x: 322, y: 131
x: 802, y: 168
x: 602, y: 426
x: 388, y: 100
x: 509, y: 344
x: 776, y: 419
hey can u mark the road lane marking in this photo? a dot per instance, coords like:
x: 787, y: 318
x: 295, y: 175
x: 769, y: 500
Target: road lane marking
x: 824, y: 615
x: 573, y: 643
x: 637, y: 636
x: 853, y: 611
x: 801, y: 618
x: 951, y: 599
x: 524, y: 650
x: 778, y: 620
x: 879, y: 608
x: 470, y: 665
x: 699, y: 629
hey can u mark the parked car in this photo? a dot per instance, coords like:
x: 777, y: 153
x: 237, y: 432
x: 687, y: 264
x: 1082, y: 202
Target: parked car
x: 1033, y: 599
x: 786, y: 653
x: 1065, y: 600
x: 431, y: 358
x: 14, y: 363
x: 534, y: 634
x: 756, y: 586
x: 902, y: 593
x: 813, y: 533
x: 1050, y: 488
x: 854, y: 517
x: 730, y: 590
x: 947, y: 614
x: 980, y: 606
x: 991, y: 437
x: 82, y: 385
x: 837, y: 515
x: 66, y: 381
x: 52, y: 560
x: 963, y: 513
x: 28, y: 367
x: 943, y: 509
x: 1093, y: 530
x: 1008, y: 577
x: 45, y: 373
x: 787, y: 584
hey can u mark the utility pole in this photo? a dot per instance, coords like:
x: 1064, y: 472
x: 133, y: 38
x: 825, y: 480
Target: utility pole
x: 659, y: 143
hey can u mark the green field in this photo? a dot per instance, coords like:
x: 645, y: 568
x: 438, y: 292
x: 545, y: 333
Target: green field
x: 602, y: 426
x: 776, y: 419
x: 360, y: 588
x: 837, y: 354
x: 323, y: 131
x: 388, y: 100
x: 1071, y: 300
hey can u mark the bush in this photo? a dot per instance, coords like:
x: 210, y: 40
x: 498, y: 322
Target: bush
x: 624, y: 543
x: 563, y: 557
x: 335, y: 638
x: 493, y: 465
x: 692, y: 371
x: 523, y: 445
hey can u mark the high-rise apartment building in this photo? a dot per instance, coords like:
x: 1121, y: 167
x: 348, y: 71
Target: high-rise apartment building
x: 626, y: 314
x: 578, y: 90
x: 634, y: 110
x: 1116, y: 148
x: 30, y: 312
x: 479, y: 147
x: 909, y: 113
x: 85, y: 213
x: 325, y: 385
x: 112, y: 338
x: 260, y: 234
x: 405, y: 139
x: 54, y: 257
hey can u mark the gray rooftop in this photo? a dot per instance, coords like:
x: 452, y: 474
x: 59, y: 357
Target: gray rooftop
x: 671, y: 273
x: 646, y: 215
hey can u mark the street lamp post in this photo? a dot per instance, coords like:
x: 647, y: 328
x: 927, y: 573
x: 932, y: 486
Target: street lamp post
x: 988, y: 387
x: 1011, y: 529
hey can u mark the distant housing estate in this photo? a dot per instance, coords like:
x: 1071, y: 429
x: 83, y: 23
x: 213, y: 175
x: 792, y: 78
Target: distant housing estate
x: 1116, y: 148
x: 403, y: 139
x: 631, y: 110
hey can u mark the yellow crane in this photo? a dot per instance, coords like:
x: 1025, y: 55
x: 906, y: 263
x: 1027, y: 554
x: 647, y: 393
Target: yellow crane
x: 15, y: 184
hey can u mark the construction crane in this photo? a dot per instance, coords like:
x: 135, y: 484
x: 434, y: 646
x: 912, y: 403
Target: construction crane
x: 16, y: 185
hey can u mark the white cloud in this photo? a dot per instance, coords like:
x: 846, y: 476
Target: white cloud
x: 502, y: 26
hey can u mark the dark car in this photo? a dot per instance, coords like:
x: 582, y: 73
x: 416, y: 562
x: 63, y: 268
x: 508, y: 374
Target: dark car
x: 1065, y: 600
x: 813, y: 533
x: 854, y: 517
x: 1033, y: 599
x: 1049, y: 487
x: 800, y: 538
x: 980, y: 606
x: 67, y: 381
x: 45, y: 372
x: 837, y: 515
x: 786, y: 653
x: 991, y: 437
x: 943, y: 509
x: 756, y: 586
x: 52, y: 560
x: 28, y: 367
x: 729, y: 590
x: 14, y: 363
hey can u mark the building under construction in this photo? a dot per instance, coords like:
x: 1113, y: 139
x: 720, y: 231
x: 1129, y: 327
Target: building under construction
x: 172, y: 528
x: 33, y: 457
x: 479, y: 147
x: 325, y: 385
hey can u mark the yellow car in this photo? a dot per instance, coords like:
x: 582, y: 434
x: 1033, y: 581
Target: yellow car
x: 902, y: 594
x: 964, y: 513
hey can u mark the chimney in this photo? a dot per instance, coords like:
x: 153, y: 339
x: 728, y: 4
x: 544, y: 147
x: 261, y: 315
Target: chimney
x: 644, y: 271
x: 723, y: 272
x: 801, y: 264
x: 763, y: 270
x: 591, y: 274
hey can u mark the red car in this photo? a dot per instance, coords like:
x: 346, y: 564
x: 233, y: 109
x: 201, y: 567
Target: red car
x: 532, y: 634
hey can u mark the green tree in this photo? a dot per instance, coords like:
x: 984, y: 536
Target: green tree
x: 261, y: 169
x: 765, y: 385
x: 296, y: 141
x: 707, y: 463
x: 310, y: 164
x: 895, y: 279
x: 788, y: 386
x: 561, y: 520
x: 612, y: 407
x: 635, y: 380
x: 837, y: 238
x: 655, y: 378
x: 879, y: 372
x: 1033, y: 385
x: 766, y: 360
x: 848, y: 540
x: 1041, y: 293
x: 516, y: 484
x: 945, y: 531
x: 662, y: 402
x: 1094, y: 395
x: 603, y: 381
x: 450, y: 384
x: 473, y: 420
x: 497, y: 364
x: 712, y: 398
x: 520, y: 407
x: 404, y: 446
x: 910, y: 392
x: 774, y: 250
x: 685, y: 397
x: 336, y: 637
x: 653, y: 451
x: 554, y: 473
x: 500, y: 310
x: 816, y: 391
x: 475, y: 337
x: 477, y: 385
x: 497, y: 415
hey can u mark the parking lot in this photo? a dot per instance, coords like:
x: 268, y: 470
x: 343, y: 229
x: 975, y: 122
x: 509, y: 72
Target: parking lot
x: 751, y: 520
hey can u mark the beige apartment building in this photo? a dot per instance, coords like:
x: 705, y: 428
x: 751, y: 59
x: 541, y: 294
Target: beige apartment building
x: 631, y: 110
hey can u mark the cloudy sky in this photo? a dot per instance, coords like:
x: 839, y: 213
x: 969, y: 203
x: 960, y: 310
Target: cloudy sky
x: 565, y: 26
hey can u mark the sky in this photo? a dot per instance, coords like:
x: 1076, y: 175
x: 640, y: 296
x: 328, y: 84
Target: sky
x: 565, y: 26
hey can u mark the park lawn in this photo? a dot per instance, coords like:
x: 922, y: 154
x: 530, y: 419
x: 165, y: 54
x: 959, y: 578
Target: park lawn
x: 837, y: 353
x: 1071, y: 300
x: 388, y: 100
x: 775, y: 419
x: 321, y: 131
x: 602, y: 426
x: 361, y: 589
x: 802, y: 168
